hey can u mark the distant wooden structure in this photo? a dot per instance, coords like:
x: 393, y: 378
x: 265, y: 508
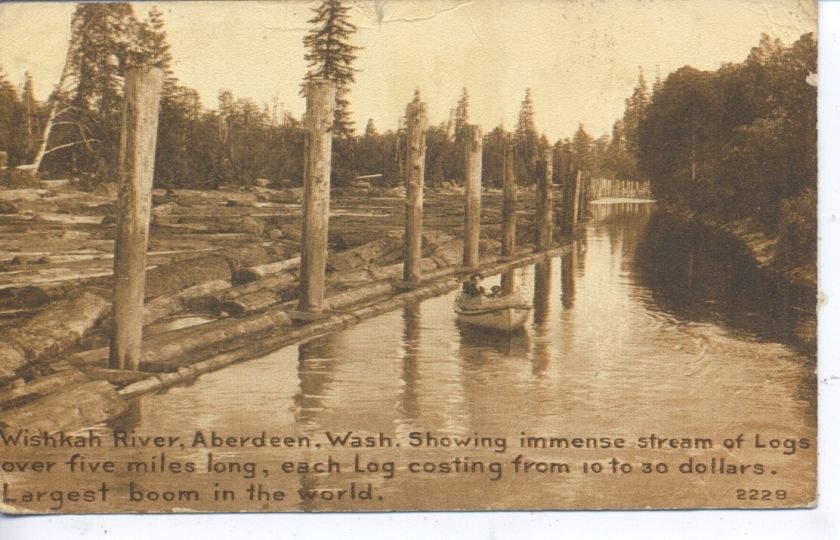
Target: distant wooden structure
x: 138, y: 139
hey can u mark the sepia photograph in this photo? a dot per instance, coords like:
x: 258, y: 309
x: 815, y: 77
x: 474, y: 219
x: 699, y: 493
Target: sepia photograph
x: 379, y: 256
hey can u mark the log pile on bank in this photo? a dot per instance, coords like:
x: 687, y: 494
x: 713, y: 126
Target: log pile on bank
x: 221, y: 276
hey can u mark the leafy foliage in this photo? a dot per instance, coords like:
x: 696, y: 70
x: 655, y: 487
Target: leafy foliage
x: 740, y: 142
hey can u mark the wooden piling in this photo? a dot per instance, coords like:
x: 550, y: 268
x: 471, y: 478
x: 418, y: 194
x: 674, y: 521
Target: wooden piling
x: 138, y: 138
x: 576, y: 189
x: 472, y: 185
x: 508, y: 202
x: 416, y: 124
x: 318, y: 121
x: 545, y: 204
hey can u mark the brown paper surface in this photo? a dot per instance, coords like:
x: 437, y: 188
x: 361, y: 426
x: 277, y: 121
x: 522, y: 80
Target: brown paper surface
x: 400, y: 256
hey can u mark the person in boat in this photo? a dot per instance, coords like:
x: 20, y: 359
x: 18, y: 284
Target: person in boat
x: 473, y: 287
x: 495, y: 291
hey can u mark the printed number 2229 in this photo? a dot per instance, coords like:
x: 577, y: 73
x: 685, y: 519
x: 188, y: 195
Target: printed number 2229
x: 761, y: 495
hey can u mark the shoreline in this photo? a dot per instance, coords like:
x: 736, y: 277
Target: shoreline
x: 760, y: 246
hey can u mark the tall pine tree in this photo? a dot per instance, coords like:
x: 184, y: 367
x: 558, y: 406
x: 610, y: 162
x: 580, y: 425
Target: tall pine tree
x: 527, y: 140
x: 330, y: 56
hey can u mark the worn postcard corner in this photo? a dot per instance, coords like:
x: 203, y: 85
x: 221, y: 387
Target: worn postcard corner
x: 407, y: 256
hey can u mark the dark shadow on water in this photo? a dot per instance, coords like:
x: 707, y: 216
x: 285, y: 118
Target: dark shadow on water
x: 479, y: 345
x: 698, y: 274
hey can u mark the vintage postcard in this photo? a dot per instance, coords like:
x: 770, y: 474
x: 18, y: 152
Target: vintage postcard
x: 406, y: 255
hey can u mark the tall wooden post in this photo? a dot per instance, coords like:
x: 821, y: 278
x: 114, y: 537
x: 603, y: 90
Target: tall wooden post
x: 576, y: 188
x: 472, y: 206
x: 318, y: 121
x: 545, y: 203
x: 415, y: 124
x: 508, y: 203
x: 138, y: 138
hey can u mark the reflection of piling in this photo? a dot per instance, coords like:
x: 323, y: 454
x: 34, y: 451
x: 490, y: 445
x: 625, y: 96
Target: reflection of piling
x: 410, y: 374
x: 472, y: 185
x: 567, y: 279
x: 542, y: 291
x: 138, y: 138
x: 318, y: 121
x: 544, y: 221
x: 508, y: 282
x: 508, y: 203
x: 416, y: 123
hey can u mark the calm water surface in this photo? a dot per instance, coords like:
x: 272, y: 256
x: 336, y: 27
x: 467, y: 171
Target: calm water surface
x: 633, y: 333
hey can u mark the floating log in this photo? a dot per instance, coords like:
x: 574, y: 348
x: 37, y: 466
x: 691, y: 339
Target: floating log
x: 78, y: 407
x: 177, y: 276
x: 40, y: 387
x: 318, y: 121
x: 165, y: 306
x: 54, y: 329
x: 253, y: 273
x: 361, y: 294
x: 164, y: 351
x: 344, y: 240
x: 250, y: 302
x: 380, y: 251
x: 257, y: 295
x: 394, y: 271
x: 450, y: 253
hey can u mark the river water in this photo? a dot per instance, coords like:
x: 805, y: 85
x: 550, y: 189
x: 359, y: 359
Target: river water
x: 644, y: 327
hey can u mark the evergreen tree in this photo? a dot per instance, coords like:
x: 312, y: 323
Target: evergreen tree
x: 12, y: 128
x: 582, y: 143
x: 526, y: 138
x: 370, y: 129
x: 462, y: 117
x: 330, y: 56
x: 150, y: 46
x: 636, y: 107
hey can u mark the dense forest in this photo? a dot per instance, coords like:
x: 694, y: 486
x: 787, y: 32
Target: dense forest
x: 736, y: 142
x: 741, y: 142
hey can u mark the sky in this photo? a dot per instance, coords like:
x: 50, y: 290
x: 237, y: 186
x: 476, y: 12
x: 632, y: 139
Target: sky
x: 580, y: 58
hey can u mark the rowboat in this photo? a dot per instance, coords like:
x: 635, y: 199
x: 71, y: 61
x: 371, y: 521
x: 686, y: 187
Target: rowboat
x: 504, y: 313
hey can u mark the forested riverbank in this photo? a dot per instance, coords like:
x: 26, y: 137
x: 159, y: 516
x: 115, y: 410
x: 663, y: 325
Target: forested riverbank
x: 735, y: 149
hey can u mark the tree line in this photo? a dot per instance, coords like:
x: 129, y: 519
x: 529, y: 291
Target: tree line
x: 239, y: 140
x: 737, y: 142
x: 740, y: 142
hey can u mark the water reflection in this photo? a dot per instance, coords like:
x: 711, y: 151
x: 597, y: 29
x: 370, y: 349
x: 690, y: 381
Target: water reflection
x: 696, y: 274
x: 412, y: 321
x: 567, y: 278
x: 542, y: 313
x: 639, y: 327
x: 314, y: 376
